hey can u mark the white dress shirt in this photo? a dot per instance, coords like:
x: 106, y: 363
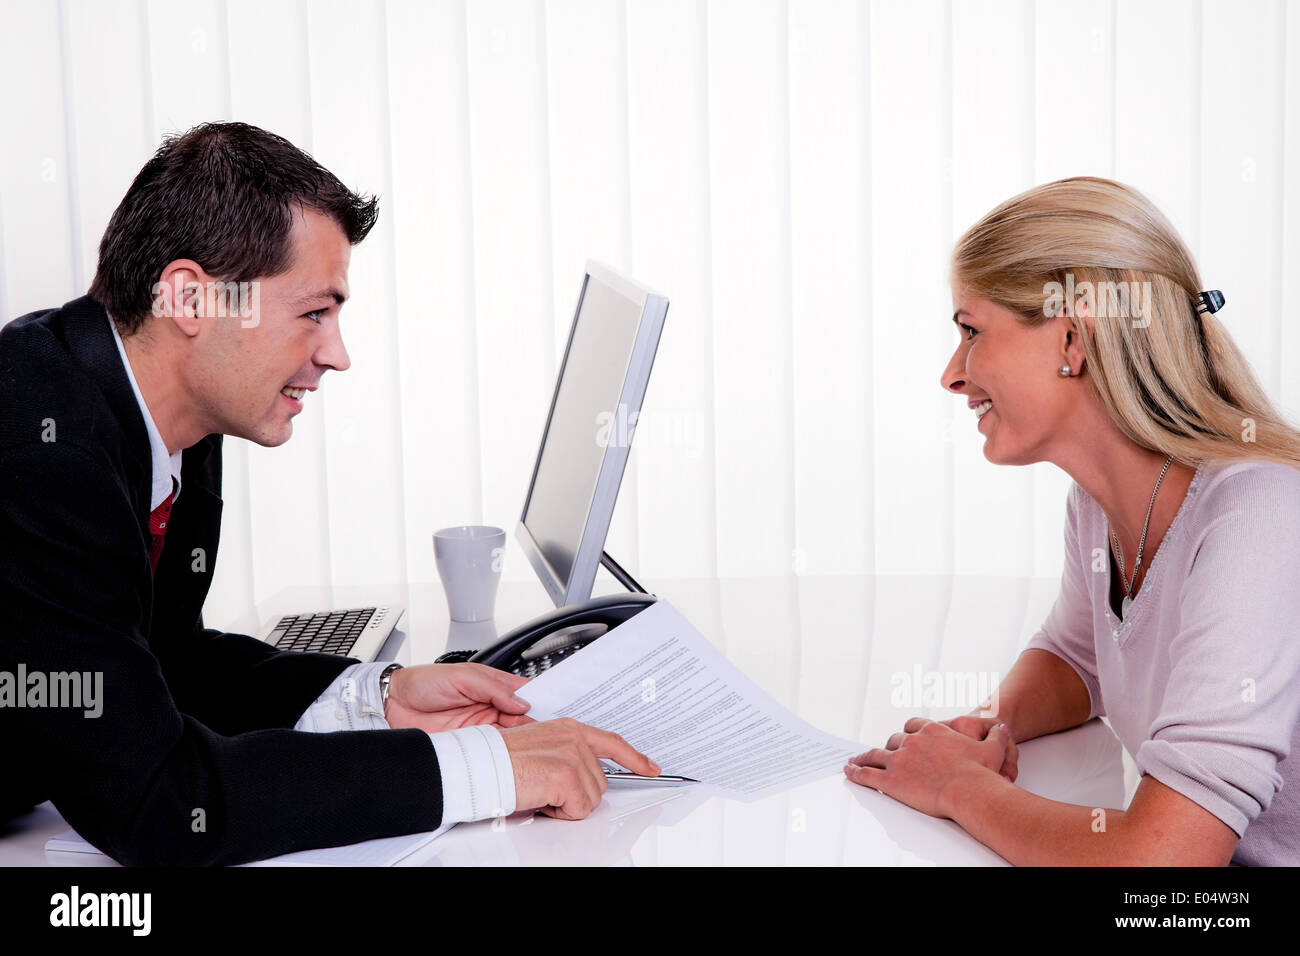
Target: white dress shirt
x: 166, y: 467
x: 478, y: 780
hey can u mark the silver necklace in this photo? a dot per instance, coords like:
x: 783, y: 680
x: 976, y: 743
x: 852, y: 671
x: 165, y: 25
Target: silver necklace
x: 1119, y: 552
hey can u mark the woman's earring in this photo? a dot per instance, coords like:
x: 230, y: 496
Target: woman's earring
x: 1065, y: 371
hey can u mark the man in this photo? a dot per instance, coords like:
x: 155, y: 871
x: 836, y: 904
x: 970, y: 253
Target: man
x: 112, y: 411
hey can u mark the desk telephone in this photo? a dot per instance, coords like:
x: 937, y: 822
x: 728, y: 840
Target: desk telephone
x: 546, y: 640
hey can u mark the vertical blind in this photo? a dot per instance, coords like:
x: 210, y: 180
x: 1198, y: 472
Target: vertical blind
x: 792, y: 175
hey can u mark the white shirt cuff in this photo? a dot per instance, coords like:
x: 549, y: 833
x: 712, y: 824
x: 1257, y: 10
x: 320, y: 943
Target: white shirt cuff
x: 352, y: 702
x: 478, y: 780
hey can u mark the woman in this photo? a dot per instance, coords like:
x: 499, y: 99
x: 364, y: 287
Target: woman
x: 1179, y: 610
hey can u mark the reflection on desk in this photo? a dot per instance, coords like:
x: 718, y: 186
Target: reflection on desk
x: 827, y: 823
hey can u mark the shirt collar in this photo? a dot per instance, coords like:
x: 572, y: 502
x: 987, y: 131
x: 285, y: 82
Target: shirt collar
x: 166, y: 468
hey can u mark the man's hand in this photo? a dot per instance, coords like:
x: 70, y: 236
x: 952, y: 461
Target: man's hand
x: 556, y: 768
x: 438, y: 697
x: 920, y: 768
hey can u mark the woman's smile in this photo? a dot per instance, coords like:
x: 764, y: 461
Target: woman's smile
x: 981, y: 408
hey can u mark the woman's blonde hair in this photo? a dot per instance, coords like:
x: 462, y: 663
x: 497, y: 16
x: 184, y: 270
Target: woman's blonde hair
x: 1167, y: 371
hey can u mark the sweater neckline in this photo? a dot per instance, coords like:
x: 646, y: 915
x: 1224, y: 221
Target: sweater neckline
x: 1121, y: 628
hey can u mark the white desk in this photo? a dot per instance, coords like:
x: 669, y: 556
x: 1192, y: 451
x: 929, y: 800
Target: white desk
x: 843, y: 653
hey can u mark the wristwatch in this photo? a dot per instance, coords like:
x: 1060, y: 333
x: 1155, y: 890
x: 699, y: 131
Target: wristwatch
x: 385, y: 680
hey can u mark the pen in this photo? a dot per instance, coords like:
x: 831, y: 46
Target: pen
x: 665, y: 779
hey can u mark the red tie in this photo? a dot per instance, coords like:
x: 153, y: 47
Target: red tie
x: 158, y: 528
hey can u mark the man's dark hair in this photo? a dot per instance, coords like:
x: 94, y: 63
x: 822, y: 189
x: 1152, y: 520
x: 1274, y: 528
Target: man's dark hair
x: 224, y: 195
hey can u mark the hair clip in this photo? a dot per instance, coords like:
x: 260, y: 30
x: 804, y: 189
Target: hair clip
x: 1211, y: 301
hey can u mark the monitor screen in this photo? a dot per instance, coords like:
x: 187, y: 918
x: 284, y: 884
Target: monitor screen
x: 585, y: 444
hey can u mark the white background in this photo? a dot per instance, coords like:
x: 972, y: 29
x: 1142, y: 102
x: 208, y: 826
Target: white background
x: 792, y: 175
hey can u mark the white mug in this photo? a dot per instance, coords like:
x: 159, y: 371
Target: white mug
x: 469, y: 563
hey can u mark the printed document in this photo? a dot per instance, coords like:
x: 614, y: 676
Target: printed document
x: 659, y: 684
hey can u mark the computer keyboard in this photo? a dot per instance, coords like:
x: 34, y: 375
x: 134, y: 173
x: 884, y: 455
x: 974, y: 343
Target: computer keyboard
x: 332, y: 632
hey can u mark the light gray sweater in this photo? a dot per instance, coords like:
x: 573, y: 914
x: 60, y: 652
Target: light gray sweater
x: 1201, y: 680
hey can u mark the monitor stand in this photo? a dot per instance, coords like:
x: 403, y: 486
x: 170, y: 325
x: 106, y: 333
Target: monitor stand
x: 620, y: 575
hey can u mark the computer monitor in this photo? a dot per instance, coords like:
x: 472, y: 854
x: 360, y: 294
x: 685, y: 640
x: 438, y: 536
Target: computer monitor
x: 588, y: 433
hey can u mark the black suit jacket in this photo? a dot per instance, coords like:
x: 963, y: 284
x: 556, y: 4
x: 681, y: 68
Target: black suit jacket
x: 192, y: 719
